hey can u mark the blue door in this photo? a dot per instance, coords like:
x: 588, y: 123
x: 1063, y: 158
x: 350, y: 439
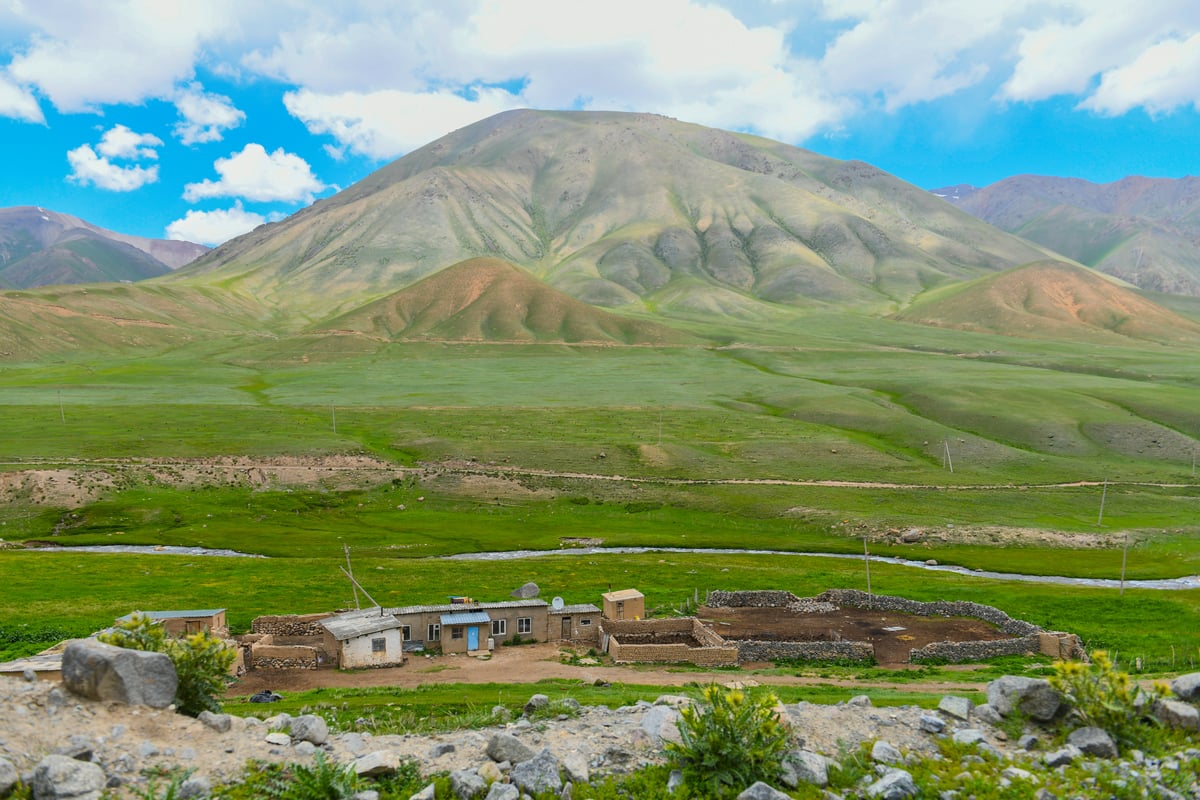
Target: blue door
x: 472, y: 638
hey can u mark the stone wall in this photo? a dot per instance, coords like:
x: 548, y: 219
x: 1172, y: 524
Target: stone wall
x: 962, y: 652
x: 290, y: 624
x: 275, y: 657
x: 751, y: 650
x: 714, y: 652
x: 751, y: 599
x: 939, y: 608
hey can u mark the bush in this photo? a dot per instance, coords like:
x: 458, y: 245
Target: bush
x: 1107, y: 698
x: 728, y: 742
x: 201, y: 660
x: 324, y: 780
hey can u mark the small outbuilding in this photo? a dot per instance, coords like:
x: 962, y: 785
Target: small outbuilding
x: 624, y: 604
x: 366, y: 639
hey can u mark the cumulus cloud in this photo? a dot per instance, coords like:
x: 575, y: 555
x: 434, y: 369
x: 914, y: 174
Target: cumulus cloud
x: 96, y: 166
x: 214, y: 227
x: 18, y: 102
x: 204, y: 116
x: 255, y: 174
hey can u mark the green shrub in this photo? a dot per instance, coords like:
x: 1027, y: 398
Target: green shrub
x: 201, y: 660
x: 1103, y: 696
x: 728, y: 742
x: 324, y: 780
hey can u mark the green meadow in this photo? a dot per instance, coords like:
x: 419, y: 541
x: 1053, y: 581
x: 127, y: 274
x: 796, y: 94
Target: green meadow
x: 802, y: 438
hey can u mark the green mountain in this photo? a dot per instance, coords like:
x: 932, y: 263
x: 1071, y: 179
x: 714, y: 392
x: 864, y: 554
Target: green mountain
x: 39, y: 247
x: 620, y: 210
x: 1143, y: 230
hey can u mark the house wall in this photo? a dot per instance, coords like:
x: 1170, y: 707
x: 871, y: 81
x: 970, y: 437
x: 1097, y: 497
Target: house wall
x: 182, y: 626
x: 358, y: 652
x: 419, y: 626
x: 633, y: 608
x: 715, y: 652
x: 452, y: 645
x: 588, y: 633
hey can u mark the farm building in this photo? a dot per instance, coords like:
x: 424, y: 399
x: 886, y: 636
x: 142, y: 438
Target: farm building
x: 624, y: 604
x: 366, y: 639
x: 181, y: 623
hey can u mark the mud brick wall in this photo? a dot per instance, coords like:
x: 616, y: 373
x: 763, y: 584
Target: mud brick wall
x: 750, y: 599
x: 751, y: 650
x: 939, y: 608
x: 615, y: 627
x: 290, y: 625
x: 672, y: 654
x: 274, y: 657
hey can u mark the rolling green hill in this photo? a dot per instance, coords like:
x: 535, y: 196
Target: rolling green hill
x: 615, y: 209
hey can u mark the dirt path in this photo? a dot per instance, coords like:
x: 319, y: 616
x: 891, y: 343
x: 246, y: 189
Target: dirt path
x: 532, y: 663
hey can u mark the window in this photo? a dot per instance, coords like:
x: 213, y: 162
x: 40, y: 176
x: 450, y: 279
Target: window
x: 584, y: 621
x: 499, y: 627
x: 620, y: 610
x: 405, y: 633
x: 435, y: 633
x: 456, y: 633
x: 379, y: 645
x: 524, y: 624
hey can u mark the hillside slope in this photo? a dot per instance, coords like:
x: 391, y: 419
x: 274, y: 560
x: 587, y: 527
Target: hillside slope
x: 1143, y: 230
x: 620, y: 209
x: 1052, y: 300
x: 486, y: 299
x: 39, y: 247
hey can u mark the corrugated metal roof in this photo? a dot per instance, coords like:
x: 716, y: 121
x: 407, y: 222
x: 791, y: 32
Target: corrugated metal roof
x: 201, y: 612
x: 578, y: 608
x: 359, y: 623
x: 466, y: 618
x: 462, y: 607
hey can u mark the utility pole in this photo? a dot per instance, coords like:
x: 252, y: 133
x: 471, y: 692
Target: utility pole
x: 1103, y: 496
x: 949, y: 462
x: 63, y: 416
x: 333, y: 416
x: 350, y: 574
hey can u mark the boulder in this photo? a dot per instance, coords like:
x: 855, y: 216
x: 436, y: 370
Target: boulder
x: 221, y: 723
x: 575, y: 764
x: 1093, y: 741
x: 379, y: 762
x: 62, y: 778
x: 1063, y: 756
x: 957, y: 707
x: 526, y: 591
x: 506, y: 747
x: 428, y: 793
x: 1187, y: 687
x: 8, y: 776
x: 762, y: 791
x: 987, y: 713
x: 536, y: 703
x: 538, y: 774
x: 968, y: 736
x: 1177, y: 714
x: 465, y: 784
x: 804, y: 766
x: 661, y: 723
x: 931, y: 724
x: 103, y: 672
x: 895, y: 785
x: 503, y: 791
x: 441, y: 748
x: 309, y: 728
x: 885, y: 753
x: 194, y: 786
x: 1033, y: 697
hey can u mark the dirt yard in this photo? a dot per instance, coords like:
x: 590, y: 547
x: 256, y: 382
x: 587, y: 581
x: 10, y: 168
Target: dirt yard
x: 893, y: 634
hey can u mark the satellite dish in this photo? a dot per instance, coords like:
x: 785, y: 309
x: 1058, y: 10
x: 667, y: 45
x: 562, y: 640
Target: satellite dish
x: 557, y: 604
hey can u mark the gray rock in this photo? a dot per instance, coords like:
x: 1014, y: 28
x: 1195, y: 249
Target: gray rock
x: 1063, y: 756
x: 968, y: 736
x: 62, y: 777
x: 194, y: 786
x: 1027, y: 742
x: 931, y: 724
x: 29, y: 675
x: 859, y: 700
x: 804, y: 766
x: 466, y: 784
x: 221, y: 723
x: 987, y: 714
x: 1177, y: 714
x: 428, y: 793
x: 762, y: 791
x: 366, y: 794
x: 8, y: 776
x: 77, y: 747
x: 1033, y: 697
x: 441, y: 748
x: 278, y: 739
x: 506, y: 747
x: 1187, y: 687
x: 674, y: 781
x: 575, y: 764
x: 895, y: 785
x: 661, y: 723
x: 304, y: 749
x: 379, y: 762
x: 309, y: 728
x: 102, y: 672
x: 955, y: 706
x: 885, y: 753
x: 536, y: 703
x: 526, y: 591
x: 538, y: 774
x: 354, y: 743
x: 503, y: 791
x: 1093, y: 741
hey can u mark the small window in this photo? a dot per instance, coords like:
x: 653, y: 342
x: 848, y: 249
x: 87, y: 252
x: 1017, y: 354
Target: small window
x: 584, y: 621
x: 524, y: 624
x: 379, y: 645
x: 406, y: 632
x: 456, y: 633
x: 499, y: 627
x: 435, y: 633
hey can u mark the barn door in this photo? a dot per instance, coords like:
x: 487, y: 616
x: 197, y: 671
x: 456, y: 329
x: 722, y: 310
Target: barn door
x: 472, y: 638
x: 566, y: 629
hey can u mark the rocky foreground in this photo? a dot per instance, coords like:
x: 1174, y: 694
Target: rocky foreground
x: 64, y: 745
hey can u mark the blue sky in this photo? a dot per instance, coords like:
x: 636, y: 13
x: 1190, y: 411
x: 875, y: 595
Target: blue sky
x: 201, y: 120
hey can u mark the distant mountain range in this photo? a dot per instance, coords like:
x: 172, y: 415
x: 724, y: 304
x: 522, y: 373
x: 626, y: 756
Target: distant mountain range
x: 1143, y: 230
x: 39, y: 247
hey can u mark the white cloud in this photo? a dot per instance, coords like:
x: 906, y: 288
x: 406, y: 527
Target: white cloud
x: 257, y: 175
x: 382, y: 125
x: 1160, y: 79
x: 215, y: 227
x: 19, y: 103
x: 96, y: 166
x: 83, y: 56
x: 205, y: 116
